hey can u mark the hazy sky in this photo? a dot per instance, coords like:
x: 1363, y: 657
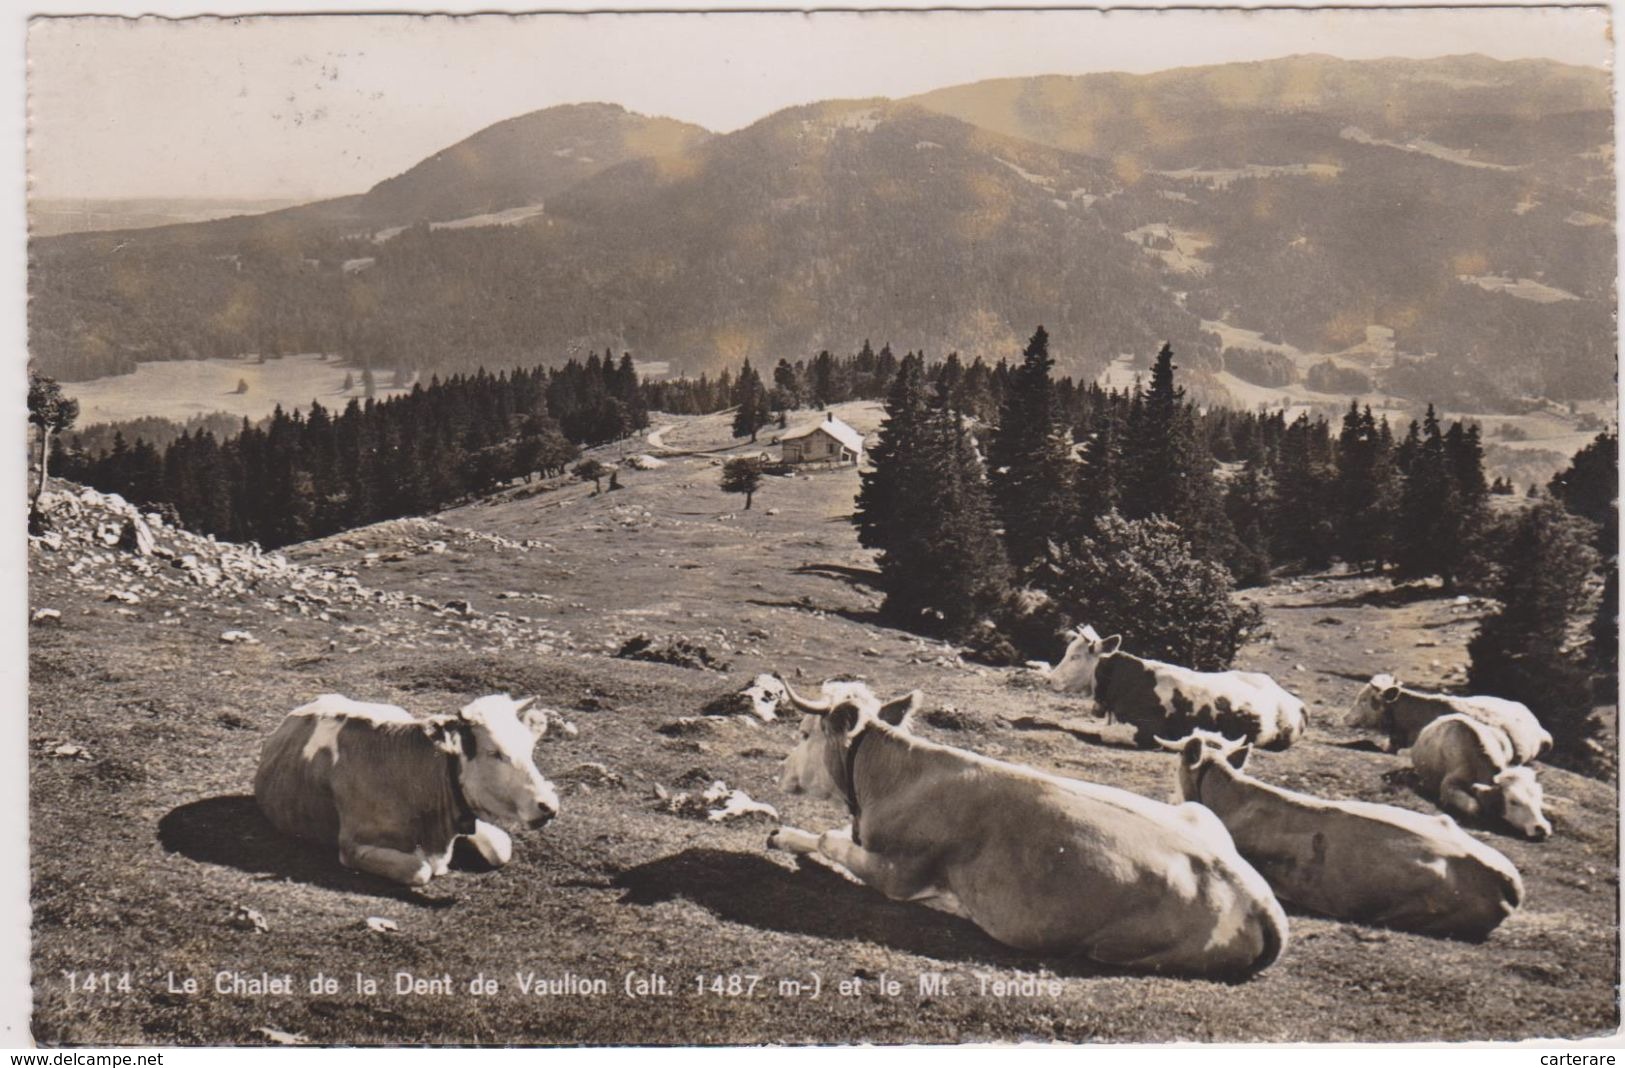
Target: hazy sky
x: 330, y: 104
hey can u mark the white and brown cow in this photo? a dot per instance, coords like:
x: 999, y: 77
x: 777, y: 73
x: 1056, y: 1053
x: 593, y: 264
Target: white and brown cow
x: 1470, y: 768
x: 1352, y: 860
x: 394, y: 793
x: 1171, y: 701
x: 1383, y: 703
x: 1047, y: 865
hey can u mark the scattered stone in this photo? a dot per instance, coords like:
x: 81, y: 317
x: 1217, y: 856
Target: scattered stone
x: 45, y: 615
x: 715, y: 804
x: 136, y: 537
x: 69, y: 751
x: 379, y: 925
x: 948, y: 718
x: 679, y: 652
x: 246, y: 919
x: 122, y: 596
x: 686, y: 726
x: 281, y: 1038
x: 590, y: 774
x: 239, y: 637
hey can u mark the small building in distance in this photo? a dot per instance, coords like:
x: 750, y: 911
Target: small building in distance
x: 828, y: 442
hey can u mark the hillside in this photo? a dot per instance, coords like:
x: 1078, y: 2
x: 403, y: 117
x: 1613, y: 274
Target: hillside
x: 145, y: 727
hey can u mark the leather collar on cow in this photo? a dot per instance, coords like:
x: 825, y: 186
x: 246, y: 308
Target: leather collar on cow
x: 464, y: 815
x: 851, y: 779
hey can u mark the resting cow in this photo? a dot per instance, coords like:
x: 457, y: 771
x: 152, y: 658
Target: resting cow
x: 1164, y: 699
x: 1352, y: 860
x: 1048, y: 865
x: 1386, y: 704
x: 394, y: 793
x: 1470, y: 768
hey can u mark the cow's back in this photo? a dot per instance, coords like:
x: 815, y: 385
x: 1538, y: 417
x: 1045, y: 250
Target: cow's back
x: 295, y: 792
x: 1459, y: 747
x: 1414, y: 711
x: 1373, y: 863
x: 1236, y: 704
x: 1063, y: 866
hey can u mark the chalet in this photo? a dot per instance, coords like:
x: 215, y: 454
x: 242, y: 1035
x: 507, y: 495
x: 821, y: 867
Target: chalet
x: 830, y: 441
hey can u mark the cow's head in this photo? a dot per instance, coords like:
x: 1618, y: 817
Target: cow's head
x: 1371, y: 704
x: 1076, y: 671
x: 817, y: 765
x: 1516, y: 798
x: 500, y: 781
x: 1198, y: 753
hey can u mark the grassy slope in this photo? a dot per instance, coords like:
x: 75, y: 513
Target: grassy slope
x: 165, y: 844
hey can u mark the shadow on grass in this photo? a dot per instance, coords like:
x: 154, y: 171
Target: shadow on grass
x: 867, y: 617
x: 231, y: 831
x: 1395, y: 597
x: 863, y: 578
x: 750, y: 889
x: 1360, y: 745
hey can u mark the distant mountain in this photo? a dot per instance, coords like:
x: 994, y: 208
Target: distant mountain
x: 1464, y: 203
x: 814, y: 228
x: 524, y: 161
x: 1439, y: 228
x: 48, y: 216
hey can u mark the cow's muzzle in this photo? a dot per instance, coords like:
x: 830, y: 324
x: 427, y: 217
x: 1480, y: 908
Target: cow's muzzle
x: 542, y: 819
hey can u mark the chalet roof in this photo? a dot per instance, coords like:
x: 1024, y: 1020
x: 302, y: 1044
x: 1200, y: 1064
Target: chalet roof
x: 831, y: 426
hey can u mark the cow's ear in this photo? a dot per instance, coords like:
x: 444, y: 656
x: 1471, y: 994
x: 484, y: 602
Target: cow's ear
x: 1111, y: 645
x: 535, y: 718
x: 1238, y: 756
x: 843, y: 717
x: 1390, y: 695
x: 1191, y: 754
x: 1489, y: 798
x: 451, y: 736
x: 896, y: 711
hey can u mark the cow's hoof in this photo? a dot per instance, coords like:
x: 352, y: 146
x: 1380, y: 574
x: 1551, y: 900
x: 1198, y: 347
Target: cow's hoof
x: 773, y: 838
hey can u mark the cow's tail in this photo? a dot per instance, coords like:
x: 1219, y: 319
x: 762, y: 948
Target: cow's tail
x: 1273, y: 929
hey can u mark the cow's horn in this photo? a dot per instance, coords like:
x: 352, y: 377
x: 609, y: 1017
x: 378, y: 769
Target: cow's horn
x: 1172, y: 747
x: 816, y: 708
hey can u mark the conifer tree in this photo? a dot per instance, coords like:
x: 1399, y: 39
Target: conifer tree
x: 1428, y: 535
x: 889, y: 492
x: 754, y: 408
x: 1098, y: 479
x: 1305, y: 518
x: 1364, y: 490
x: 1522, y: 651
x: 1249, y: 503
x: 1029, y: 455
x: 1167, y: 469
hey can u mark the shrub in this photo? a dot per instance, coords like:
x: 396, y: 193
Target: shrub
x: 1139, y: 578
x: 1328, y: 377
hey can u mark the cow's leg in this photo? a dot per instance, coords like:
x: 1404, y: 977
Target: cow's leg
x: 1456, y: 795
x: 904, y: 879
x: 408, y: 868
x: 492, y: 843
x: 793, y: 840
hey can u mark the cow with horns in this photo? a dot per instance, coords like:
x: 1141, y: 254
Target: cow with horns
x: 1048, y: 865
